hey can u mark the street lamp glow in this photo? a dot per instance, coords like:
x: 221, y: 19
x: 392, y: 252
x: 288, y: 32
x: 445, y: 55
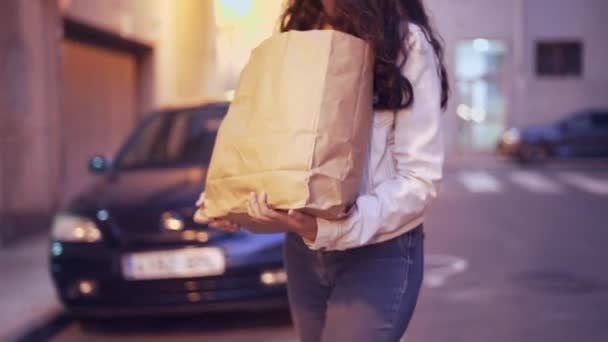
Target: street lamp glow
x: 233, y: 10
x: 481, y: 45
x: 463, y: 112
x: 241, y: 26
x: 478, y: 114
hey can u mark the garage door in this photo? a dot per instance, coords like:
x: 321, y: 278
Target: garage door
x: 99, y: 102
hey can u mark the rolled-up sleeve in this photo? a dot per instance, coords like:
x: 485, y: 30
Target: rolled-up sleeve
x: 418, y: 154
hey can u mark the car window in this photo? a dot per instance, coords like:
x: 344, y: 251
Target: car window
x: 580, y: 122
x: 141, y: 150
x: 195, y: 136
x: 174, y: 139
x: 600, y: 120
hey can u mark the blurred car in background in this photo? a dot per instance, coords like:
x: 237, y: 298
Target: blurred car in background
x: 583, y: 134
x: 128, y: 244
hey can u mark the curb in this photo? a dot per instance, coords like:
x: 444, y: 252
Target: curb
x: 30, y: 328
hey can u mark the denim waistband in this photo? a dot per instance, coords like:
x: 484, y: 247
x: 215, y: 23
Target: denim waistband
x: 419, y: 230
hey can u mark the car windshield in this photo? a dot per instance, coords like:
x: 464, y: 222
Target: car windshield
x: 173, y: 139
x: 586, y: 120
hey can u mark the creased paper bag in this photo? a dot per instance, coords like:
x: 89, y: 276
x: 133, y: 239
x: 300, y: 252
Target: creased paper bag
x: 298, y: 127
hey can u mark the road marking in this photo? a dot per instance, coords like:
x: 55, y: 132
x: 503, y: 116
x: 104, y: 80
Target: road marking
x: 479, y: 182
x: 535, y: 182
x: 586, y: 183
x: 440, y: 267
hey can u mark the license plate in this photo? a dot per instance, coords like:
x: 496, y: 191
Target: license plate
x: 183, y: 263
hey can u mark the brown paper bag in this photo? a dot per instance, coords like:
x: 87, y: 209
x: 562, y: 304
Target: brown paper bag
x: 298, y: 127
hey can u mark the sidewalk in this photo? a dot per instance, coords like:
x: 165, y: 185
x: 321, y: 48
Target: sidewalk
x: 26, y: 292
x: 478, y: 160
x: 490, y: 160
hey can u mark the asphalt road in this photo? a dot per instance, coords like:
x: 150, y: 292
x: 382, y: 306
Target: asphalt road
x: 513, y: 254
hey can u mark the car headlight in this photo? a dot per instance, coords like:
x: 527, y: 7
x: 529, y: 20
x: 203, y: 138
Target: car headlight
x: 74, y: 228
x: 511, y: 136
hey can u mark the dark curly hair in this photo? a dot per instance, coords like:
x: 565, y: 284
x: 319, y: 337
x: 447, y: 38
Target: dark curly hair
x: 378, y: 22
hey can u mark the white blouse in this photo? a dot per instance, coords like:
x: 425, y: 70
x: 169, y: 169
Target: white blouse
x: 404, y: 165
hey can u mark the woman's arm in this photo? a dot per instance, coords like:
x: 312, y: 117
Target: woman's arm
x: 418, y: 156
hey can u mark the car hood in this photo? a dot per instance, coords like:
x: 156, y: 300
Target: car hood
x: 136, y: 202
x: 537, y: 133
x: 151, y: 189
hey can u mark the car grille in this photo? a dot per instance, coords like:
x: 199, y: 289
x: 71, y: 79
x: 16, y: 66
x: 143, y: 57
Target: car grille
x: 145, y: 229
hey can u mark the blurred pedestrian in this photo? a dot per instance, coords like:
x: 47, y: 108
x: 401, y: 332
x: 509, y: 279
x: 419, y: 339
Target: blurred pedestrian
x: 358, y: 279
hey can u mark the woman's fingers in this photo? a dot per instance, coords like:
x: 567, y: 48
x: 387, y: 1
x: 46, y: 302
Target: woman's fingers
x: 257, y: 208
x: 256, y: 211
x: 252, y: 206
x: 201, y: 200
x: 200, y: 217
x: 263, y: 205
x: 259, y: 211
x: 223, y: 224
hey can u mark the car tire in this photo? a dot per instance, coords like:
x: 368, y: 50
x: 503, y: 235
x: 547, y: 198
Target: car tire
x: 91, y: 324
x: 529, y: 154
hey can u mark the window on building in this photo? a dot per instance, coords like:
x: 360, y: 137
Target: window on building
x: 559, y: 58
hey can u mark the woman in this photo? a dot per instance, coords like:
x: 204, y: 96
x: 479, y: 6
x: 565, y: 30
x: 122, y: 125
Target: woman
x: 358, y: 279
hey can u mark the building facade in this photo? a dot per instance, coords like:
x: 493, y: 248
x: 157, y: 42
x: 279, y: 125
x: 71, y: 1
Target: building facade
x: 496, y: 54
x: 75, y: 76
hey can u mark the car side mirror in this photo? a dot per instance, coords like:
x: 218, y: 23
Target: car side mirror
x: 99, y: 164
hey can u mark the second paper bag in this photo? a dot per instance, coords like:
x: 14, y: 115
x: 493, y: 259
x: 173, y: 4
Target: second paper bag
x: 298, y: 127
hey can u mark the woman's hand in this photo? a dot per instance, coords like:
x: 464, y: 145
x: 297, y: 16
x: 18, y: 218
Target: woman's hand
x: 291, y: 221
x: 216, y: 223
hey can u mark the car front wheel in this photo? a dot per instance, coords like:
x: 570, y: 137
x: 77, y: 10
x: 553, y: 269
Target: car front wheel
x: 533, y: 153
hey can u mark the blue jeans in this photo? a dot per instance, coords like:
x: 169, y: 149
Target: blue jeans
x: 362, y: 294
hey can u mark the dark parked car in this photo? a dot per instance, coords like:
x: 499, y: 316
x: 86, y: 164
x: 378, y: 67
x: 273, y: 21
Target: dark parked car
x: 584, y: 134
x: 128, y: 244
